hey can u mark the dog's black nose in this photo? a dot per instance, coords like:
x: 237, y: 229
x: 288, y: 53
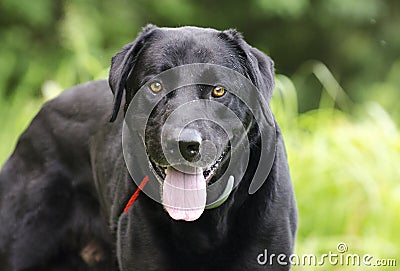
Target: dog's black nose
x: 190, y: 150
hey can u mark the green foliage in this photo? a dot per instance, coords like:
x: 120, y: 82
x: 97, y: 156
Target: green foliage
x: 290, y: 8
x: 345, y: 174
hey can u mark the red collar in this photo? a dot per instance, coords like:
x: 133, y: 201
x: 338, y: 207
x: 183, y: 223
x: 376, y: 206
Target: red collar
x: 136, y: 194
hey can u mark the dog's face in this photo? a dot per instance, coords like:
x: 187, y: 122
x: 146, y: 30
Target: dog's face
x: 188, y: 157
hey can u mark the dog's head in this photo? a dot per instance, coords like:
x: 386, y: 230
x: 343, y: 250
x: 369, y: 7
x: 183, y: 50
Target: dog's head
x: 188, y: 156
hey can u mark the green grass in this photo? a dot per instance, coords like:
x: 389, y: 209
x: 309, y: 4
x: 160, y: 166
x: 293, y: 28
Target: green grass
x: 346, y: 176
x: 344, y: 165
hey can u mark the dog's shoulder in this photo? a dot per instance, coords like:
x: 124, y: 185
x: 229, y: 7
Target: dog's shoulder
x: 61, y: 130
x: 89, y: 101
x: 74, y: 115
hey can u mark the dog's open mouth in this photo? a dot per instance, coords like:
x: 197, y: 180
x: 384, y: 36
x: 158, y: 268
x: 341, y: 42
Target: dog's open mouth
x: 208, y: 173
x: 184, y: 194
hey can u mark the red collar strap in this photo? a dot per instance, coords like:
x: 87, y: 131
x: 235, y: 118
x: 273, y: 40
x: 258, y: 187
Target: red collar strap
x: 136, y: 194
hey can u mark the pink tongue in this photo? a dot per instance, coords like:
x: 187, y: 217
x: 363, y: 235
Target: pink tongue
x: 184, y: 195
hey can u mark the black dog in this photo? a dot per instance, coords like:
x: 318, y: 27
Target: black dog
x: 64, y: 189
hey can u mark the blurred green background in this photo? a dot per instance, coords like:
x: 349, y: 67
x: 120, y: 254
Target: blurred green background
x: 336, y: 96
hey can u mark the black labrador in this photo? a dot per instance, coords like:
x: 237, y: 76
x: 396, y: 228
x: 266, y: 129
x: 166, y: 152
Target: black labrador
x: 64, y: 191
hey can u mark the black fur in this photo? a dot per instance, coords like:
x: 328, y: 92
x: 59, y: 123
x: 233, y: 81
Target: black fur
x: 63, y: 189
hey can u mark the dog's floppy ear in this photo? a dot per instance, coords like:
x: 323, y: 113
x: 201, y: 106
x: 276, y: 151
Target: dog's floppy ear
x: 259, y: 66
x: 263, y: 69
x: 122, y: 64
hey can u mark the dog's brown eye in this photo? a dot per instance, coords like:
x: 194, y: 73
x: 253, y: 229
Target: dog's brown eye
x: 218, y: 91
x: 156, y: 86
